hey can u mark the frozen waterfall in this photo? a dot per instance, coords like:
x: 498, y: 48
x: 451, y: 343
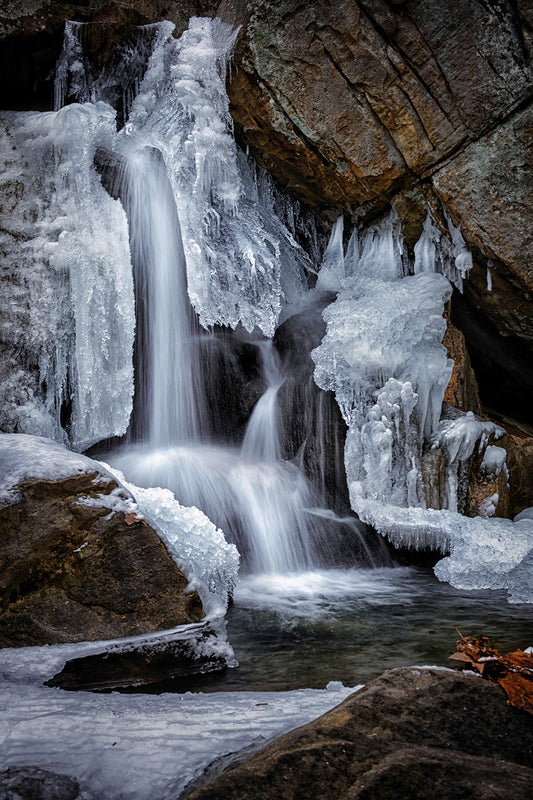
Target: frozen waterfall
x: 210, y: 241
x: 384, y: 359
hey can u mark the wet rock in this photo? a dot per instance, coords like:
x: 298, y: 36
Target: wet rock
x: 416, y: 733
x: 175, y: 665
x: 462, y: 390
x: 33, y: 783
x: 312, y: 430
x: 75, y: 565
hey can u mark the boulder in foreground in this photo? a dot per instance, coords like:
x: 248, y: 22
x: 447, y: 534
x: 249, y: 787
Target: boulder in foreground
x: 74, y: 564
x: 413, y: 733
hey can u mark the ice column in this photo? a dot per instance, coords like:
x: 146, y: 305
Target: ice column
x: 68, y: 245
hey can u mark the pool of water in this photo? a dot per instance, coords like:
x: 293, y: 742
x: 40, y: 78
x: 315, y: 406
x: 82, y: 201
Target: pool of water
x: 307, y: 629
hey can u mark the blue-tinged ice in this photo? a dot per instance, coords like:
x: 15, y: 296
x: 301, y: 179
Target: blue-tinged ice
x: 382, y: 355
x: 67, y: 277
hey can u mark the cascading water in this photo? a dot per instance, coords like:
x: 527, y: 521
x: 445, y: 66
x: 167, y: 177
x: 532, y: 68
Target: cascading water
x: 167, y: 411
x: 262, y: 503
x: 177, y: 166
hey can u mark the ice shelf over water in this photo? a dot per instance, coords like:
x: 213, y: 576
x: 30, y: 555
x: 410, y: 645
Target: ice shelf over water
x: 383, y: 357
x: 143, y: 747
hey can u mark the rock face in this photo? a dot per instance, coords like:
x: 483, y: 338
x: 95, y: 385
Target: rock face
x: 415, y: 733
x: 369, y: 93
x: 358, y: 105
x: 74, y: 565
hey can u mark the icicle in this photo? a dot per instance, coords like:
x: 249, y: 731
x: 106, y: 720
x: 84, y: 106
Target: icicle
x: 489, y: 276
x: 332, y: 269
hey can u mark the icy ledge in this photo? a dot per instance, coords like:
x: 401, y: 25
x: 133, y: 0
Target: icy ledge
x: 493, y: 553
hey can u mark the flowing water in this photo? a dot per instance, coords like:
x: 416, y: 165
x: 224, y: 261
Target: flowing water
x: 315, y: 602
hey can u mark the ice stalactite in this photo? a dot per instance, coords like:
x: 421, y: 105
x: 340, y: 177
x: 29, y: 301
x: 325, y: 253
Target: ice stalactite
x: 383, y: 357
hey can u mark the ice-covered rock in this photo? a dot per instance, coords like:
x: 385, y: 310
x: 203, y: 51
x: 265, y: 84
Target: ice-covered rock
x: 435, y: 252
x: 383, y: 357
x: 77, y: 562
x: 196, y: 545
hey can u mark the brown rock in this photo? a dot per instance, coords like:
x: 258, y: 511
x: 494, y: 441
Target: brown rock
x: 73, y: 569
x: 487, y: 190
x: 462, y: 390
x: 409, y: 734
x: 519, y: 445
x: 367, y: 94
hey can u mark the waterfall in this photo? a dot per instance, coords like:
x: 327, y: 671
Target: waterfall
x: 175, y: 168
x: 166, y: 358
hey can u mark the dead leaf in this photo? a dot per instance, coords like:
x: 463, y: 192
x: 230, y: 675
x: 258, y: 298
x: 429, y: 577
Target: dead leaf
x: 513, y: 672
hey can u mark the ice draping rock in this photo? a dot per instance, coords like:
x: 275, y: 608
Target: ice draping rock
x: 24, y: 457
x: 383, y: 357
x: 457, y: 439
x: 236, y: 244
x: 196, y: 545
x: 491, y: 554
x: 494, y: 460
x: 67, y: 277
x: 436, y: 253
x: 116, y: 81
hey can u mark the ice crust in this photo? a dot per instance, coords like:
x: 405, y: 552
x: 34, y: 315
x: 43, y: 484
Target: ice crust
x: 24, y: 457
x: 144, y: 747
x: 383, y: 357
x: 67, y: 279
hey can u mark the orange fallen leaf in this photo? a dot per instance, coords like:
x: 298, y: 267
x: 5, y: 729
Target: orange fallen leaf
x: 513, y: 672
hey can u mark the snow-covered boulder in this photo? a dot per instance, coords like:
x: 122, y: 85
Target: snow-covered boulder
x: 76, y: 561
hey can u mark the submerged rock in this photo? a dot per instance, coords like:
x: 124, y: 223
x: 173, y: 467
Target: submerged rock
x: 415, y: 732
x: 33, y: 783
x: 75, y: 565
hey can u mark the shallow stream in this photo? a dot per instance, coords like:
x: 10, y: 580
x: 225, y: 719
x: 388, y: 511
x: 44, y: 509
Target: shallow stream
x: 306, y: 629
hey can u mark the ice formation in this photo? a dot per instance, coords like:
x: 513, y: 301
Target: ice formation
x: 383, y: 357
x: 145, y: 747
x: 67, y: 280
x: 23, y: 456
x: 68, y: 373
x: 198, y: 547
x: 182, y: 109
